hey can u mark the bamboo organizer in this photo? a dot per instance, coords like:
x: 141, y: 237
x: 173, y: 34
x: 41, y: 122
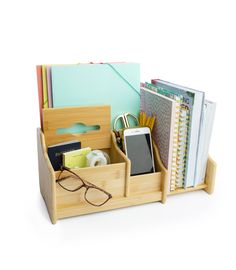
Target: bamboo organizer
x: 115, y: 178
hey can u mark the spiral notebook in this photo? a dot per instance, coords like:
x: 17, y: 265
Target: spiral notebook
x: 182, y: 147
x: 194, y: 100
x: 180, y: 138
x: 165, y: 129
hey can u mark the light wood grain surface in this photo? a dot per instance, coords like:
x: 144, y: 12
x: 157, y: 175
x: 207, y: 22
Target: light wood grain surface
x: 57, y: 118
x: 115, y: 178
x: 46, y: 177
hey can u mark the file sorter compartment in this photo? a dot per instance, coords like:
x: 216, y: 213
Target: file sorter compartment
x: 145, y: 183
x: 151, y: 182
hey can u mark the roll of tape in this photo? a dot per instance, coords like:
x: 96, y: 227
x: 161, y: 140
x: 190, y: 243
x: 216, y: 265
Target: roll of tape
x: 97, y: 158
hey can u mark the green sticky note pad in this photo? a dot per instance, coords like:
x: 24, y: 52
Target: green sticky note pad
x: 76, y: 158
x: 115, y: 84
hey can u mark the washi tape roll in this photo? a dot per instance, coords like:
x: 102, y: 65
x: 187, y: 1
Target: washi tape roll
x: 97, y: 158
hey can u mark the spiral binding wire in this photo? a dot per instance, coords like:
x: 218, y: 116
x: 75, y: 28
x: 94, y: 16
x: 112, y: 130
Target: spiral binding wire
x: 173, y: 175
x: 182, y: 146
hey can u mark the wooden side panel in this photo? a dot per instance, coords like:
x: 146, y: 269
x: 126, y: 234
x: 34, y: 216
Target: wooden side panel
x: 210, y: 175
x: 120, y: 156
x: 46, y: 178
x: 56, y: 118
x: 117, y: 156
x: 164, y: 173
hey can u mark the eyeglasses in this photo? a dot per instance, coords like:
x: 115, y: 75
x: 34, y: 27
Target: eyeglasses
x: 72, y: 182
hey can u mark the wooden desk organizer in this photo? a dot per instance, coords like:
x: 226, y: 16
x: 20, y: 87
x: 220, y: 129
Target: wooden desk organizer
x: 115, y: 178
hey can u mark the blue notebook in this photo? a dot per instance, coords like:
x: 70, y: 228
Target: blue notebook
x: 115, y: 84
x: 55, y: 152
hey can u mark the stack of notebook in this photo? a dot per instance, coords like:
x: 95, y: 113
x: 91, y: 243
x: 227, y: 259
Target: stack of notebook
x: 182, y: 131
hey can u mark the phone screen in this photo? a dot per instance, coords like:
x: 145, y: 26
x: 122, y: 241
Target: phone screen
x: 140, y: 153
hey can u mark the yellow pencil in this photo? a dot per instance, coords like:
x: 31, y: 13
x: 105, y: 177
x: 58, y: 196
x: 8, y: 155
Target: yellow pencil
x: 140, y: 118
x: 148, y: 121
x: 144, y: 119
x: 152, y: 122
x: 141, y: 123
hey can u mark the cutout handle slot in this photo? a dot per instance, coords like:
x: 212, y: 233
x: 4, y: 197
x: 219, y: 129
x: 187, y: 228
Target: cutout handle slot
x: 78, y: 128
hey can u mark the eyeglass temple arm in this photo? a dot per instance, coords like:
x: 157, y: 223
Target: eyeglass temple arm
x: 85, y: 181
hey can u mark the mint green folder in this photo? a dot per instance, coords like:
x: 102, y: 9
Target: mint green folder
x: 115, y: 84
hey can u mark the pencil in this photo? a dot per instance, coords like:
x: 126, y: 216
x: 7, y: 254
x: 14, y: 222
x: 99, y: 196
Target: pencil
x: 148, y: 121
x: 152, y: 122
x: 144, y: 118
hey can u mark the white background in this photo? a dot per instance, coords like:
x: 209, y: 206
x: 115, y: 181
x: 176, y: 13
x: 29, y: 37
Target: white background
x: 187, y: 42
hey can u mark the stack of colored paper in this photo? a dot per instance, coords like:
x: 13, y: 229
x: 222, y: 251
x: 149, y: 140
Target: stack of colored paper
x: 115, y: 84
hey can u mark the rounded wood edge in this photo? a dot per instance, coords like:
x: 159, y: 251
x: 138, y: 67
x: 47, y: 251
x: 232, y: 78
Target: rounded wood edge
x: 212, y: 162
x: 160, y: 164
x: 51, y: 208
x: 117, y: 148
x: 210, y: 175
